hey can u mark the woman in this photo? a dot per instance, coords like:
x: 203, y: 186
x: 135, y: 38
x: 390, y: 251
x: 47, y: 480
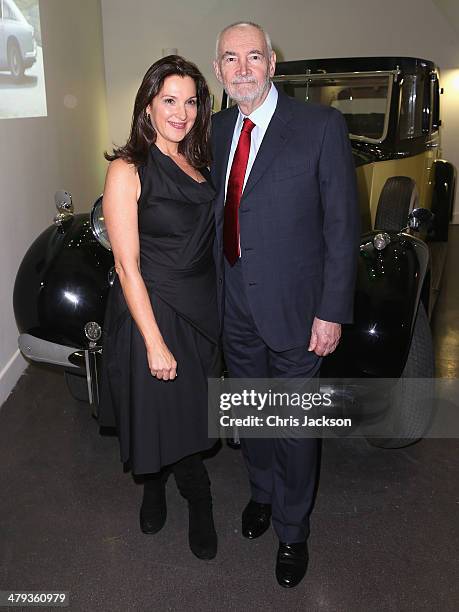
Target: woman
x: 160, y: 336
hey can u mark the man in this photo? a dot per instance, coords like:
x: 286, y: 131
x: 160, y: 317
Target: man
x: 287, y: 236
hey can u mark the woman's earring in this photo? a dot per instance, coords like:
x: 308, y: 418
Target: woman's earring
x: 148, y: 117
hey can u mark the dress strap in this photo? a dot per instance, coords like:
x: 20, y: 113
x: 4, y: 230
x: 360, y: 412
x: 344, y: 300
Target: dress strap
x: 143, y: 177
x: 141, y: 172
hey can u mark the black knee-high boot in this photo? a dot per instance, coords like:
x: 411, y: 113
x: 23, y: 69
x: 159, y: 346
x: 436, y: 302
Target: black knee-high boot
x: 194, y: 485
x: 153, y: 511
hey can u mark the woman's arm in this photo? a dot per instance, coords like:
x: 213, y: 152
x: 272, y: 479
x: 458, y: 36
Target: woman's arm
x: 121, y: 192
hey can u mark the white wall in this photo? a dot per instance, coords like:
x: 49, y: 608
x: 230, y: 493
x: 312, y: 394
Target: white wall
x: 40, y: 155
x: 450, y: 124
x: 136, y: 32
x: 450, y: 8
x: 450, y: 100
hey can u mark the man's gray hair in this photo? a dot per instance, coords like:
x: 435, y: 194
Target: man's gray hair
x: 245, y: 23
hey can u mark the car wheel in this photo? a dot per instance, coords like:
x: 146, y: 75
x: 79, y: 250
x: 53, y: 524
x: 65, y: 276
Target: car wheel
x: 398, y: 197
x: 78, y: 386
x: 411, y: 408
x: 15, y: 61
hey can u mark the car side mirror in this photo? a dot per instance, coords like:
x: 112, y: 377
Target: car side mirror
x: 420, y: 218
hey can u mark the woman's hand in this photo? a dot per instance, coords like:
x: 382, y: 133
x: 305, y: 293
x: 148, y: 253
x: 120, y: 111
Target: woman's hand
x: 161, y: 362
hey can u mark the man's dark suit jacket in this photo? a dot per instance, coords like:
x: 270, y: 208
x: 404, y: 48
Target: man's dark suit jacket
x: 299, y: 221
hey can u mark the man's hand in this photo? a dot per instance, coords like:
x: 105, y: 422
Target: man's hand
x: 325, y: 336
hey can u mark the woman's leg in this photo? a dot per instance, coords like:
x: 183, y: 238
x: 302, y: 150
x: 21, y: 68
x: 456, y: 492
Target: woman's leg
x: 153, y: 511
x: 194, y: 485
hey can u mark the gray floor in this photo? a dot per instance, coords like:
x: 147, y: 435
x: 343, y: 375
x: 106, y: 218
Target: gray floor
x: 384, y: 530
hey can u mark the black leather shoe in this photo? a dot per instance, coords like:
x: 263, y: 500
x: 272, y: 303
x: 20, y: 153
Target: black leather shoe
x: 256, y: 519
x: 292, y: 562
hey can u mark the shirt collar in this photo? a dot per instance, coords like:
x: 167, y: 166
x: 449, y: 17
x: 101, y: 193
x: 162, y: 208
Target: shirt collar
x: 261, y: 116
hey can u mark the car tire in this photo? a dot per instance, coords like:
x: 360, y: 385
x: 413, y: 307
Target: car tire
x: 78, y: 386
x: 411, y: 408
x: 398, y: 198
x: 15, y: 61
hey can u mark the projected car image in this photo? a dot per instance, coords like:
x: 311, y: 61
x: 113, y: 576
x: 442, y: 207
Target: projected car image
x: 406, y: 192
x: 22, y: 70
x: 18, y: 47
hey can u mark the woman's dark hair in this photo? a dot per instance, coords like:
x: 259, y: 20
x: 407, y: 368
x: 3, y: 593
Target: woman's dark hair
x: 195, y: 146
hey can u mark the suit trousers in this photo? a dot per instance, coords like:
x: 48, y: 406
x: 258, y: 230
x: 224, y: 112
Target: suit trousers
x: 282, y: 471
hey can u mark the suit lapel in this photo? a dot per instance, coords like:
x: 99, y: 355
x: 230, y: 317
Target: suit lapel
x: 222, y: 143
x: 223, y: 147
x: 276, y: 136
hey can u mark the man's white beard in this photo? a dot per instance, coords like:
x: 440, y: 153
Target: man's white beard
x: 251, y: 96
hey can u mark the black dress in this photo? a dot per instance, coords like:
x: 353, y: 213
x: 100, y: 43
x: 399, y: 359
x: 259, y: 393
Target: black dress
x: 160, y: 422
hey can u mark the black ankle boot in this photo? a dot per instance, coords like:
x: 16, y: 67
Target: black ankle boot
x: 194, y: 485
x: 153, y: 511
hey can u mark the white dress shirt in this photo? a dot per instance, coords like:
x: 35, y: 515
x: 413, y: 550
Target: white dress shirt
x: 261, y: 118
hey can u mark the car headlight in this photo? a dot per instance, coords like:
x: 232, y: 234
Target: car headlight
x: 98, y: 224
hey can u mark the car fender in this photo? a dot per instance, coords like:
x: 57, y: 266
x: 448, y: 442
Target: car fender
x: 444, y: 175
x: 388, y: 290
x: 62, y: 283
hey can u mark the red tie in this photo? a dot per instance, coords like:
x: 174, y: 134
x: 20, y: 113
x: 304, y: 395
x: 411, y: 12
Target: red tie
x: 234, y: 194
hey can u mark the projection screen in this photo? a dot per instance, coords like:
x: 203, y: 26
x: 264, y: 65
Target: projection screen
x: 22, y: 77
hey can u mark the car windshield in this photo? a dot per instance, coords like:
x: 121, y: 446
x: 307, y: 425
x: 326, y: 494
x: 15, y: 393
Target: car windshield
x: 363, y: 100
x: 14, y: 11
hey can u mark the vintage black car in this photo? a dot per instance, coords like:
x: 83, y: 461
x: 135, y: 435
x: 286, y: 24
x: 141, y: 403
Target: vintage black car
x: 392, y: 108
